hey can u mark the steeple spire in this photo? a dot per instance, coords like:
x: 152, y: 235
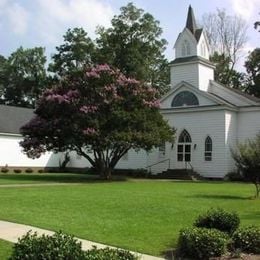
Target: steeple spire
x: 191, y: 22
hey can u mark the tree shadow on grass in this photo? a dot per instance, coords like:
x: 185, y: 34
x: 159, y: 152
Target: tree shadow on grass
x: 56, y: 178
x: 219, y: 196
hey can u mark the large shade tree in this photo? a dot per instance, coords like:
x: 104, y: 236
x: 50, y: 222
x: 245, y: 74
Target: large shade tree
x: 227, y: 36
x: 76, y: 52
x: 252, y: 65
x: 100, y: 114
x: 134, y: 44
x: 23, y: 76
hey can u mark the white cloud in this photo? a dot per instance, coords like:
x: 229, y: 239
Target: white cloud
x: 18, y: 18
x: 14, y: 17
x: 56, y: 16
x: 245, y: 8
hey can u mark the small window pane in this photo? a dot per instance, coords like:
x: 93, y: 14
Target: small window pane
x: 180, y: 157
x: 187, y: 157
x: 187, y: 148
x: 180, y: 148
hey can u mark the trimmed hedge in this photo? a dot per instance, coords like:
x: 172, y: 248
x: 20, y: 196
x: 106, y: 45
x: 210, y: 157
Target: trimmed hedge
x: 62, y: 247
x: 201, y: 243
x: 56, y: 247
x: 247, y: 239
x: 109, y: 254
x: 219, y: 219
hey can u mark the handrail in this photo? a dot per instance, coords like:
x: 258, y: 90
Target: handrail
x: 150, y: 166
x: 189, y: 165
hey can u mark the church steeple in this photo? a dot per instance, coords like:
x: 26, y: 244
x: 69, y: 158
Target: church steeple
x: 191, y: 63
x: 191, y: 22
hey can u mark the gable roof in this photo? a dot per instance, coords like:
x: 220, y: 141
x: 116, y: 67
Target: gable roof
x: 234, y: 96
x: 13, y: 118
x: 212, y: 97
x: 191, y: 59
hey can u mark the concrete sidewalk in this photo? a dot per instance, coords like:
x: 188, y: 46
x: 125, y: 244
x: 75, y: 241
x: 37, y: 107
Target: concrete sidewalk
x: 11, y: 232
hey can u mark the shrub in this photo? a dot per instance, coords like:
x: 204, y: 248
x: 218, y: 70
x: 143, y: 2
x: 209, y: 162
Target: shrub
x: 247, y: 239
x: 17, y: 170
x: 219, y: 219
x: 57, y: 247
x: 29, y: 170
x: 4, y: 169
x: 109, y: 254
x: 41, y: 171
x: 201, y: 243
x: 234, y: 176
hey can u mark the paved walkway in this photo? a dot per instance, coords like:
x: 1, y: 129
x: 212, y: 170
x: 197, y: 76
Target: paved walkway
x: 11, y: 232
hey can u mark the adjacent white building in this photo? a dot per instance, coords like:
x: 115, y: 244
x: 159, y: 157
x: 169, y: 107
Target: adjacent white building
x: 210, y: 119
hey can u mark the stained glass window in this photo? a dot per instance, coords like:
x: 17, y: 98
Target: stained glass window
x: 185, y: 98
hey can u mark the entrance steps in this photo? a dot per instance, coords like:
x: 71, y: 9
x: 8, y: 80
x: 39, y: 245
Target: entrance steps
x: 178, y: 174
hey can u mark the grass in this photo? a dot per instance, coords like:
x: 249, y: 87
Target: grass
x: 5, y: 249
x: 140, y: 215
x: 32, y: 178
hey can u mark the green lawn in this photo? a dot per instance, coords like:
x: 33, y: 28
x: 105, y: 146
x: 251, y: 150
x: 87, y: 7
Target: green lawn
x: 5, y: 249
x: 141, y: 215
x: 31, y: 178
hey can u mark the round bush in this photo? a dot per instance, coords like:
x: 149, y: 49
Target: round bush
x: 219, y: 219
x: 201, y: 243
x: 247, y: 239
x: 109, y: 254
x: 57, y: 247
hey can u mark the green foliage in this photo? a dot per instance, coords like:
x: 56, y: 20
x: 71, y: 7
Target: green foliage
x: 111, y: 114
x: 201, y: 243
x: 4, y: 169
x: 219, y: 219
x: 252, y: 65
x: 247, y: 158
x: 29, y: 170
x: 23, y: 77
x: 62, y: 247
x: 76, y: 52
x: 56, y: 247
x: 134, y: 45
x: 247, y: 239
x: 109, y: 254
x: 17, y: 170
x: 225, y: 74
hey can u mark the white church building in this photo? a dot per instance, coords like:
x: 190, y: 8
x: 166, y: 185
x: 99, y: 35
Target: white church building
x: 210, y: 119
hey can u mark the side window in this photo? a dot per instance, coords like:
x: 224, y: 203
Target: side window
x: 185, y: 49
x: 208, y: 149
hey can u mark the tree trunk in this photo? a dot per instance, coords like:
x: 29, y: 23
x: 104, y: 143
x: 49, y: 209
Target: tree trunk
x: 104, y: 171
x: 257, y: 187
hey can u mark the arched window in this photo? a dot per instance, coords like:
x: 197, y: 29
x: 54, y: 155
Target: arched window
x: 184, y: 137
x: 208, y: 149
x: 185, y: 98
x: 184, y: 147
x: 185, y: 50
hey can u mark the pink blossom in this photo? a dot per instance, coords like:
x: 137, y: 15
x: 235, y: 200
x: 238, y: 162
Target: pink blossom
x: 155, y: 103
x: 93, y: 74
x: 88, y: 109
x: 89, y: 131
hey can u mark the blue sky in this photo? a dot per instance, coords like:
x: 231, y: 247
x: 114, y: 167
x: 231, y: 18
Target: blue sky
x: 31, y: 23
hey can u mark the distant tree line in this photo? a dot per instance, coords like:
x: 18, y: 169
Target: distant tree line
x: 133, y: 44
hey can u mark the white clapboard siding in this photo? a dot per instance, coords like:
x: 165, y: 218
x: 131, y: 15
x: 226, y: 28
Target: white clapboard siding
x: 12, y: 156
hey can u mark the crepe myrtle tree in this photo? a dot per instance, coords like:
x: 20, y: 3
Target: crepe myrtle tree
x: 100, y: 114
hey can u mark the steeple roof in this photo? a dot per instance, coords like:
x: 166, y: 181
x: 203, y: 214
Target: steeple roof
x: 191, y: 22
